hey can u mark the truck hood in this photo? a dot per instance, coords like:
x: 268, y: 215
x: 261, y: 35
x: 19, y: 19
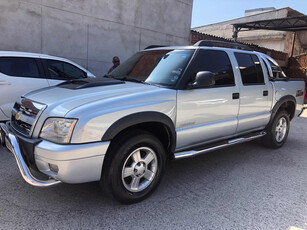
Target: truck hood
x: 61, y: 99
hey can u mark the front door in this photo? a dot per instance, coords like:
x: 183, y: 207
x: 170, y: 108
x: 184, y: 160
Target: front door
x: 208, y: 114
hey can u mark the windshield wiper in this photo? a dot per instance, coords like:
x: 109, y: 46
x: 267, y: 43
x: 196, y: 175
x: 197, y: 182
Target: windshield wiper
x: 109, y: 76
x: 131, y: 79
x: 72, y: 81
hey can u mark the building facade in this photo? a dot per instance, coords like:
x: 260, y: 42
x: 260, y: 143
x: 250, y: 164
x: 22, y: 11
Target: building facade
x: 91, y: 32
x: 276, y: 40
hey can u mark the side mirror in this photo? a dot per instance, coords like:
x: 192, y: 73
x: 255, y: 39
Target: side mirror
x: 204, y: 79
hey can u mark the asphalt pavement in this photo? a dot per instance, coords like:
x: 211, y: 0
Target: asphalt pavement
x: 243, y: 187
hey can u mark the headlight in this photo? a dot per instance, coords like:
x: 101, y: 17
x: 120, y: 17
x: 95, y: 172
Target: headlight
x: 58, y: 130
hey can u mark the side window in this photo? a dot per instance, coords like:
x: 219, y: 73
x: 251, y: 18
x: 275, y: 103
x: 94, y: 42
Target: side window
x: 63, y: 70
x: 19, y: 67
x: 250, y: 68
x: 219, y: 64
x: 259, y: 68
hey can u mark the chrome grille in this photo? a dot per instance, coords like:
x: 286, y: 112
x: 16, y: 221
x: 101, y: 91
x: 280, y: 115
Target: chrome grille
x: 21, y: 126
x: 24, y: 115
x: 23, y: 109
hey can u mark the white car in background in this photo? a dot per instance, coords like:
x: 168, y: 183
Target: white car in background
x: 22, y: 72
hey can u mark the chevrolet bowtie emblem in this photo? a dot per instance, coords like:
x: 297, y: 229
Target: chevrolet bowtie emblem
x: 17, y: 116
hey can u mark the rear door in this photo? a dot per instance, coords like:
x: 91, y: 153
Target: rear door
x: 254, y: 110
x: 18, y: 75
x: 208, y: 114
x: 59, y: 71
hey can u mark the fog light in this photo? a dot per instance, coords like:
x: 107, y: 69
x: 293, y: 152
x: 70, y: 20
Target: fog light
x: 54, y: 168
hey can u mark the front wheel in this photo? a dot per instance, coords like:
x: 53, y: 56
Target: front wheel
x: 136, y: 168
x: 277, y: 131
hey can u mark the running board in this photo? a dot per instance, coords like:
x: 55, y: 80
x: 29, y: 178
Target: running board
x: 192, y: 153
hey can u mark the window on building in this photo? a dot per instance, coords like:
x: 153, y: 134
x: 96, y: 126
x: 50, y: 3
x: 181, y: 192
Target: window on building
x: 63, y: 70
x: 219, y: 64
x: 250, y: 69
x: 19, y: 67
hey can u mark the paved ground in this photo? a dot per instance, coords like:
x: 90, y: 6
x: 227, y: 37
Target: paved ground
x: 243, y: 187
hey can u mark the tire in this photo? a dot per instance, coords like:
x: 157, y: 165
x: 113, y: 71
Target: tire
x: 277, y: 131
x: 134, y: 168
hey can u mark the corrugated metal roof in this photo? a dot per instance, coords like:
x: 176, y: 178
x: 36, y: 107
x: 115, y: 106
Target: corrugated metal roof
x: 292, y: 24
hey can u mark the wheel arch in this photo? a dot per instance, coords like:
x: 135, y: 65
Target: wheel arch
x: 287, y: 103
x: 157, y: 123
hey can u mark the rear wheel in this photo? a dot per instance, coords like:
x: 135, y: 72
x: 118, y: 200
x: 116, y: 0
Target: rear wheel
x: 135, y: 168
x: 277, y: 131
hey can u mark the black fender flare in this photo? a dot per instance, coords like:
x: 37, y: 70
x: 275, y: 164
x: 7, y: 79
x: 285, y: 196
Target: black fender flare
x: 281, y: 101
x: 139, y: 118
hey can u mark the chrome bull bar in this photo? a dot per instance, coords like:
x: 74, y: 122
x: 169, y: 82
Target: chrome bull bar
x: 8, y: 139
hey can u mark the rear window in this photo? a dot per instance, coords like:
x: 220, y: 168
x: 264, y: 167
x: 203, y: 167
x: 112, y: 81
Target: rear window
x: 250, y: 69
x: 19, y: 67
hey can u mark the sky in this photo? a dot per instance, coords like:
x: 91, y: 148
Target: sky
x: 207, y: 11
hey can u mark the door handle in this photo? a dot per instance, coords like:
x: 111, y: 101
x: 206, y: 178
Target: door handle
x: 235, y: 96
x: 265, y: 93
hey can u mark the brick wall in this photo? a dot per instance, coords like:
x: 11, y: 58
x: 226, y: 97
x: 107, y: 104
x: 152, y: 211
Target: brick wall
x: 297, y: 67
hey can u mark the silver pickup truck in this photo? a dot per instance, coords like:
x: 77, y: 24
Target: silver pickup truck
x: 162, y: 103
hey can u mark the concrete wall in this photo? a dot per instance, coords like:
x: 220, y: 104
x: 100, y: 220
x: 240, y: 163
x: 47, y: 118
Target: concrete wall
x: 91, y: 32
x: 274, y: 44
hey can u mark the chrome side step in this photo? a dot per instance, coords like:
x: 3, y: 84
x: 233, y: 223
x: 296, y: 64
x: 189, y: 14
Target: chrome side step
x: 192, y: 153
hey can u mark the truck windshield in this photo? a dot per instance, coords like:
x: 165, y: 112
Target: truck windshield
x: 161, y: 67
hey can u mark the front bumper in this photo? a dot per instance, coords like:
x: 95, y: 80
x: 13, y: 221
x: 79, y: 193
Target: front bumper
x: 9, y: 139
x: 63, y: 163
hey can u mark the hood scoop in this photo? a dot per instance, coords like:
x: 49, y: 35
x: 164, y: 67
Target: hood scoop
x: 88, y: 83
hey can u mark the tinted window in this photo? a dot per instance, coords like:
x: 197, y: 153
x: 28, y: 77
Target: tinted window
x: 258, y: 68
x: 63, y: 70
x: 218, y: 63
x: 19, y: 67
x: 250, y: 68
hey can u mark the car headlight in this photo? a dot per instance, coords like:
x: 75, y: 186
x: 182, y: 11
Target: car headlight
x: 58, y: 130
